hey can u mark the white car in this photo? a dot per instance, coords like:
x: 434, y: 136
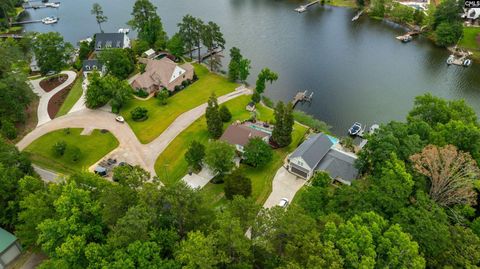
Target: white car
x: 283, y: 203
x: 120, y: 119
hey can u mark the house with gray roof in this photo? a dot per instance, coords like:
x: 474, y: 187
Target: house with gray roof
x: 111, y: 40
x: 89, y: 66
x: 321, y: 152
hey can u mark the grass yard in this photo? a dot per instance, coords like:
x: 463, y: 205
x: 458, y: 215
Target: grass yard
x: 471, y: 40
x: 160, y: 117
x: 171, y: 165
x: 73, y: 96
x: 93, y: 147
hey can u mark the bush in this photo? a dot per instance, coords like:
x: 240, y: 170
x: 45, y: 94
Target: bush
x: 184, y: 83
x: 141, y: 93
x: 75, y: 153
x: 256, y: 97
x: 162, y: 96
x: 59, y: 148
x: 237, y: 184
x: 195, y: 77
x: 139, y: 113
x: 66, y: 131
x: 225, y: 114
x: 310, y: 121
x: 8, y: 129
x: 177, y: 88
x: 257, y: 152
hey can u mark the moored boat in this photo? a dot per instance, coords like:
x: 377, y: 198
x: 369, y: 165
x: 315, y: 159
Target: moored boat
x: 355, y: 129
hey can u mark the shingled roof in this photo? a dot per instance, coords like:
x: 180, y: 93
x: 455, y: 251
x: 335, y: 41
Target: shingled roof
x: 313, y: 149
x: 240, y: 134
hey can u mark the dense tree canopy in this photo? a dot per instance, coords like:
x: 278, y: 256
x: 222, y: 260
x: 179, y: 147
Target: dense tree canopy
x: 52, y: 52
x: 148, y: 24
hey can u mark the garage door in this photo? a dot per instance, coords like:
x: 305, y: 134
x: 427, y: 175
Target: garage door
x: 298, y: 172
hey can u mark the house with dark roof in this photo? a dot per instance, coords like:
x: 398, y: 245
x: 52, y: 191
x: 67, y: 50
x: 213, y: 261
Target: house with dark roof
x: 239, y: 135
x: 321, y: 152
x: 163, y: 73
x: 111, y: 40
x: 89, y: 66
x: 9, y: 248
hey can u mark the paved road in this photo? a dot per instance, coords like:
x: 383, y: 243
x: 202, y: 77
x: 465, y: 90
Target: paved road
x: 284, y: 185
x: 46, y: 175
x: 45, y: 97
x: 144, y: 155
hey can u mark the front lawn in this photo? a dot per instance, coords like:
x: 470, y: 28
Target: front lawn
x: 171, y: 165
x: 72, y: 98
x: 471, y: 40
x: 160, y: 117
x: 92, y: 147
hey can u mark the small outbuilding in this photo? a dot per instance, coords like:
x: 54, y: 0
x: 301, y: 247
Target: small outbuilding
x: 9, y: 248
x: 250, y: 107
x: 150, y: 54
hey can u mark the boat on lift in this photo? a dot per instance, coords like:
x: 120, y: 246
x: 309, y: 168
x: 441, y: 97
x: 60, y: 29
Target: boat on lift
x: 355, y: 129
x: 49, y: 20
x: 467, y: 62
x: 53, y: 5
x: 450, y: 59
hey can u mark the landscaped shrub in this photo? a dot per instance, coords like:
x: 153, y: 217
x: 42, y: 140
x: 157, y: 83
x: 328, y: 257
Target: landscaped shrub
x: 225, y: 114
x: 139, y: 113
x: 75, y: 153
x: 162, y: 97
x: 141, y: 93
x: 257, y: 152
x: 66, y: 131
x: 59, y: 148
x: 177, y: 88
x: 184, y: 83
x: 195, y: 77
x: 8, y: 129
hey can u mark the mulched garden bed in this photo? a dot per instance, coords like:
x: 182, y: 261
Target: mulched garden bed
x: 51, y: 83
x: 57, y: 100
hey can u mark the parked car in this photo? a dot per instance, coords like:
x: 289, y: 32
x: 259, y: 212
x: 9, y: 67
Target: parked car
x: 283, y: 203
x: 120, y: 119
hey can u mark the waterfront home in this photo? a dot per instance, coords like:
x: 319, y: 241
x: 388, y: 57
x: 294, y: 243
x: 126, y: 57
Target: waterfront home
x: 321, y: 152
x: 111, y: 40
x: 163, y: 73
x: 9, y: 248
x: 472, y: 15
x: 89, y: 66
x: 238, y: 134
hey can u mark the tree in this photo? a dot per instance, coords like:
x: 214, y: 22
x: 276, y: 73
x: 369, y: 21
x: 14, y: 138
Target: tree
x: 447, y: 12
x: 225, y: 114
x: 198, y: 251
x: 451, y: 174
x: 84, y: 50
x: 194, y: 155
x: 121, y: 91
x: 118, y: 62
x: 282, y: 131
x: 214, y: 121
x: 99, y: 17
x: 237, y: 184
x: 190, y: 29
x: 238, y: 68
x: 212, y: 37
x: 257, y: 153
x: 98, y: 94
x: 8, y: 129
x: 219, y: 157
x: 176, y: 45
x: 139, y: 113
x: 264, y: 76
x: 448, y: 34
x: 148, y: 25
x: 130, y: 176
x: 52, y: 52
x: 244, y: 69
x: 59, y: 148
x: 162, y: 97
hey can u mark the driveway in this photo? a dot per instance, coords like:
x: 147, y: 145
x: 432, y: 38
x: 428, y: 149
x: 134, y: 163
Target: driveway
x: 285, y: 185
x: 46, y: 175
x: 42, y: 111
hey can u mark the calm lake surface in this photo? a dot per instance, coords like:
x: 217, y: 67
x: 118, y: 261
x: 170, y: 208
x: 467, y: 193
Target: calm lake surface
x: 358, y: 71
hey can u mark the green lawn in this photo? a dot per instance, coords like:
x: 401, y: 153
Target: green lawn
x: 160, y: 117
x: 73, y: 96
x: 469, y: 39
x: 171, y: 166
x: 93, y: 147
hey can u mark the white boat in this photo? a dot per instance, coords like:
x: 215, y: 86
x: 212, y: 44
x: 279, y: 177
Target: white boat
x: 467, y: 62
x: 124, y: 30
x: 450, y: 59
x: 49, y: 20
x: 355, y: 129
x: 301, y: 9
x: 53, y: 5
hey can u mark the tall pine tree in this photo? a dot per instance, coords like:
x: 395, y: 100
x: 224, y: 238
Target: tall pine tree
x: 214, y: 121
x: 282, y: 131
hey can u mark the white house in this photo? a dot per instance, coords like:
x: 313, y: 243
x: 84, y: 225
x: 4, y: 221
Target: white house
x: 89, y: 66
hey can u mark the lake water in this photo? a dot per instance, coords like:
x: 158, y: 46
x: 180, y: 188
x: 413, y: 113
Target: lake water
x: 357, y: 70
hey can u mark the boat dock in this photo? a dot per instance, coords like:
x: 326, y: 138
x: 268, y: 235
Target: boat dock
x: 303, y: 8
x: 460, y: 58
x: 358, y: 15
x: 408, y: 36
x: 212, y: 52
x: 302, y: 97
x: 26, y: 22
x: 29, y: 5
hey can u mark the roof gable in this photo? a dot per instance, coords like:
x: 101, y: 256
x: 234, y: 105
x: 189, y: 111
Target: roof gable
x: 115, y: 40
x: 313, y: 149
x: 241, y: 134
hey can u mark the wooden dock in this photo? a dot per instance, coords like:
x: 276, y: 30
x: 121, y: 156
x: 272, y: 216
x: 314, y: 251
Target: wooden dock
x: 304, y: 8
x: 358, y: 15
x: 302, y: 97
x: 210, y: 53
x: 26, y: 22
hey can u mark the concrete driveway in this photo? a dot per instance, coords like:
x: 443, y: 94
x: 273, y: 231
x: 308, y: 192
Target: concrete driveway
x: 45, y: 97
x: 284, y: 185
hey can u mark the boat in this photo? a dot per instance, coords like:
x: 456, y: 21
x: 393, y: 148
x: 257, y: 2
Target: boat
x: 53, y: 5
x: 49, y: 20
x: 124, y: 30
x: 467, y: 62
x: 373, y: 128
x: 301, y: 9
x: 355, y: 129
x: 450, y: 59
x: 405, y: 38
